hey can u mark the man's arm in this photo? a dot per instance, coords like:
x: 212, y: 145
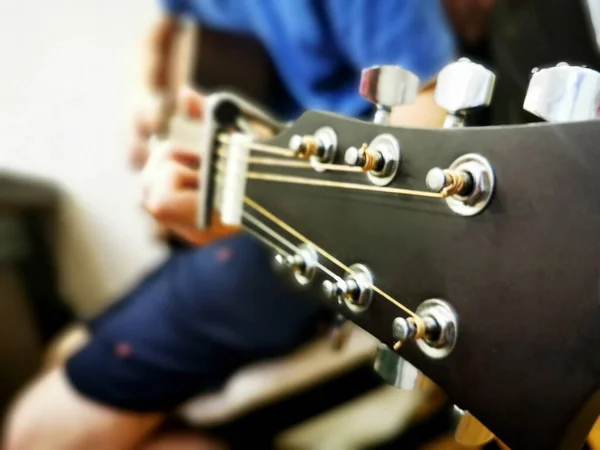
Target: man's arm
x: 422, y: 113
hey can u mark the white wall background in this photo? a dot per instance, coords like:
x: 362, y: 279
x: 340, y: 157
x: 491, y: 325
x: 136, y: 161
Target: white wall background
x: 67, y: 68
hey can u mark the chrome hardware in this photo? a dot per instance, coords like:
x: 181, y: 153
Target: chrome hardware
x: 359, y: 288
x: 462, y: 86
x: 380, y: 159
x: 303, y: 264
x: 468, y: 184
x: 440, y: 339
x: 388, y: 86
x: 319, y: 148
x: 441, y: 328
x: 436, y: 180
x: 564, y: 93
x: 355, y: 290
x: 404, y: 329
x: 593, y: 13
x: 449, y: 182
x: 333, y: 289
x: 364, y: 158
x: 401, y: 329
x: 468, y: 430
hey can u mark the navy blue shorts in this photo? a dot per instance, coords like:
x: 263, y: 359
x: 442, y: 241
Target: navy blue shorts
x: 189, y: 325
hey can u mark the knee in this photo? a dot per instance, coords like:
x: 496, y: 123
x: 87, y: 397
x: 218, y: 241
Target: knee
x: 19, y: 433
x: 51, y: 414
x: 35, y: 419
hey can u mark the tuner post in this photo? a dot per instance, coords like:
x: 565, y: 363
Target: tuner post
x: 380, y: 159
x: 449, y: 182
x: 364, y: 158
x: 463, y: 86
x: 319, y: 148
x: 355, y: 290
x: 434, y: 328
x: 467, y: 184
x: 404, y: 329
x: 306, y: 146
x: 333, y: 289
x: 302, y: 264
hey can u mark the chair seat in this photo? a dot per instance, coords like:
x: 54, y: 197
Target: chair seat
x: 267, y: 382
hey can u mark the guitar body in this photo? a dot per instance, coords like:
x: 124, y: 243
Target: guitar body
x: 523, y: 275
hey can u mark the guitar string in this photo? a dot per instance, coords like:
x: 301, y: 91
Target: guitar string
x: 288, y: 153
x: 339, y: 184
x: 284, y: 241
x: 303, y: 165
x: 324, y: 183
x: 222, y: 152
x: 267, y: 242
x: 327, y: 255
x: 224, y: 138
x: 219, y: 165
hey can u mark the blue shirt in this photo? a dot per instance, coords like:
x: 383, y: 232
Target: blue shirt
x: 319, y: 47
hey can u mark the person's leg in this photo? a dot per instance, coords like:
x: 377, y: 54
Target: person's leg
x: 71, y: 339
x: 184, y: 331
x: 63, y: 346
x: 52, y: 415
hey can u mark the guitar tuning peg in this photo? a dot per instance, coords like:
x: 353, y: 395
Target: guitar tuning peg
x: 463, y: 86
x: 302, y: 263
x: 564, y: 93
x: 388, y: 86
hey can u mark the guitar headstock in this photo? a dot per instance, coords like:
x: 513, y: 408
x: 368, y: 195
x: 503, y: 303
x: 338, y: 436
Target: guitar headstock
x: 472, y: 252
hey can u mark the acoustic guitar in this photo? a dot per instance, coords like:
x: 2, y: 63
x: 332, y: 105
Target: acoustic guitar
x: 471, y: 252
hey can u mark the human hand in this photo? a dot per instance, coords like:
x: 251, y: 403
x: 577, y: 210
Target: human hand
x: 150, y: 118
x: 170, y: 182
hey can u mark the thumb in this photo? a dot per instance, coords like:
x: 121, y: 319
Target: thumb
x: 190, y: 103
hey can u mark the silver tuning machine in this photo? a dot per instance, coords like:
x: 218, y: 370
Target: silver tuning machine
x: 355, y: 290
x: 440, y: 329
x: 388, y: 86
x: 564, y: 93
x: 463, y: 86
x: 303, y: 264
x: 380, y: 159
x: 319, y: 148
x: 467, y: 185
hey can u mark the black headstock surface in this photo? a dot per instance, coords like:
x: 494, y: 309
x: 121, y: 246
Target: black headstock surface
x: 523, y: 275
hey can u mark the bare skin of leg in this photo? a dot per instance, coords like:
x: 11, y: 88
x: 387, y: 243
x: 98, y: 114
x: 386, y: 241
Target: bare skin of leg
x: 51, y: 415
